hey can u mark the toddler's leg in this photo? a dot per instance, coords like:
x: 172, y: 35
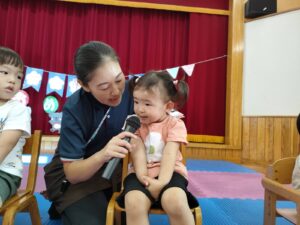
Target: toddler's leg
x: 137, y: 205
x: 175, y: 204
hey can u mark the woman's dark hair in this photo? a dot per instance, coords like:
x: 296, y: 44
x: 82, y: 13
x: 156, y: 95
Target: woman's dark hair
x: 9, y: 56
x: 90, y: 56
x: 298, y: 123
x: 176, y: 90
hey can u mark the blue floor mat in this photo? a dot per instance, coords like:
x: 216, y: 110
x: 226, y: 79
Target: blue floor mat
x: 236, y: 211
x: 43, y: 159
x: 216, y: 166
x: 214, y: 211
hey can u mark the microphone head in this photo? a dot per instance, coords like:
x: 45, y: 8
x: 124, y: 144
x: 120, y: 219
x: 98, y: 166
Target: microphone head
x: 133, y: 121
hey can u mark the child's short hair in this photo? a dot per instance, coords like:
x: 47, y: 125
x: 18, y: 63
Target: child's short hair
x: 298, y: 123
x: 10, y: 57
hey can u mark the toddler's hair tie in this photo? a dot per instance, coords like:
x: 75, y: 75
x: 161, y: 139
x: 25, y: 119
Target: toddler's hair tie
x: 136, y: 80
x: 175, y: 82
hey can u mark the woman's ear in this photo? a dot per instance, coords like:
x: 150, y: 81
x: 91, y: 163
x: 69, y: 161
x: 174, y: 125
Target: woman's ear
x: 85, y: 87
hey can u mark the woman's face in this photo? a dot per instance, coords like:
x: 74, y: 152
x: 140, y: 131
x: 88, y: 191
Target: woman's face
x: 107, y: 83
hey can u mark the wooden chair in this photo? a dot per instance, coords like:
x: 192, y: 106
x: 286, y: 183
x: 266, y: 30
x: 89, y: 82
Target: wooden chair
x: 113, y: 213
x: 24, y: 200
x: 276, y: 184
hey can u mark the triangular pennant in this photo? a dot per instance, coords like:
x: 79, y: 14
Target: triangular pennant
x: 173, y: 71
x: 33, y: 78
x: 56, y: 83
x: 139, y: 74
x: 73, y: 85
x: 188, y: 69
x: 130, y: 77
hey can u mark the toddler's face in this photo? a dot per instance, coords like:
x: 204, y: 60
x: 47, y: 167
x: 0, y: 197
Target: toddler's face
x: 149, y: 105
x: 10, y: 81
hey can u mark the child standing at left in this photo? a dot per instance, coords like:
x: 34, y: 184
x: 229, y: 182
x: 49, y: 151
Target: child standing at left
x: 15, y: 123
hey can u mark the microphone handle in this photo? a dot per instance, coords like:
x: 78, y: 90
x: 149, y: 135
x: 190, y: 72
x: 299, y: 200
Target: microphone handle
x: 112, y: 164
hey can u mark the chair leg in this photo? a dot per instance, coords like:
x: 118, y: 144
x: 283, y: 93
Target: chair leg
x: 298, y: 214
x: 9, y: 216
x: 30, y: 204
x: 269, y: 208
x: 198, y: 216
x: 34, y: 212
x: 110, y: 212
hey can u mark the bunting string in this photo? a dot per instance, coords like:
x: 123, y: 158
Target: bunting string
x: 211, y: 59
x: 188, y: 69
x: 56, y: 81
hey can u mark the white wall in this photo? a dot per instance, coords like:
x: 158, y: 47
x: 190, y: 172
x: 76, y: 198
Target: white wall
x: 271, y: 78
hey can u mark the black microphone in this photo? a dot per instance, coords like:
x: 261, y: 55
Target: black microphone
x: 132, y: 123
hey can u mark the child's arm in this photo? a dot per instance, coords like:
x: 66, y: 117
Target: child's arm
x: 139, y: 160
x: 8, y: 140
x: 168, y: 161
x: 167, y: 166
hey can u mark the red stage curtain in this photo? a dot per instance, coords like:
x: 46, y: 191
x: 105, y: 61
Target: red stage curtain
x: 47, y: 33
x: 205, y: 110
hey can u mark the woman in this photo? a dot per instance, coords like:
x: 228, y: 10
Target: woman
x: 91, y: 134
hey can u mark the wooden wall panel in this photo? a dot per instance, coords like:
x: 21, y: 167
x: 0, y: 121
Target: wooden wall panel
x: 260, y: 151
x: 232, y: 155
x: 246, y: 138
x: 253, y: 138
x: 49, y: 144
x: 286, y: 137
x: 269, y: 139
x: 264, y: 140
x: 277, y: 138
x: 295, y: 140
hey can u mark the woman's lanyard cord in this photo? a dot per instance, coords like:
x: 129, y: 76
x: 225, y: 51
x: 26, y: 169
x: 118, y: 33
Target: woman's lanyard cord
x: 99, y: 126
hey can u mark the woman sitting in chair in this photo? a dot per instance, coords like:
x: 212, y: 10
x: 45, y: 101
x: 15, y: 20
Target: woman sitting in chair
x: 158, y: 177
x: 296, y: 172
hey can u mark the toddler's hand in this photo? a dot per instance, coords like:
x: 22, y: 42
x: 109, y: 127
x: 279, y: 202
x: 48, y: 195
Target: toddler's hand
x: 153, y: 185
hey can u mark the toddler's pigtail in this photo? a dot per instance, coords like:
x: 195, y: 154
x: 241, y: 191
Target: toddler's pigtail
x: 132, y: 83
x: 182, y: 93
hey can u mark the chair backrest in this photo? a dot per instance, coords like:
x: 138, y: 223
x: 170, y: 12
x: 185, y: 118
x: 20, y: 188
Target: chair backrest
x: 281, y: 170
x: 32, y: 148
x: 126, y: 161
